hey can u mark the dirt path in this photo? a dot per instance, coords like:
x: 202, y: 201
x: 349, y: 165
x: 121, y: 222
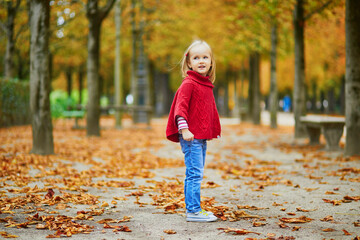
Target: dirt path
x: 256, y: 179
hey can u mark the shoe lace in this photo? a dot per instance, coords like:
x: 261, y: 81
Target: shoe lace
x: 204, y: 212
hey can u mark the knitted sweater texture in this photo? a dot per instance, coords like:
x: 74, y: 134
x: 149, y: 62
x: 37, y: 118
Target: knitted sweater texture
x: 194, y: 100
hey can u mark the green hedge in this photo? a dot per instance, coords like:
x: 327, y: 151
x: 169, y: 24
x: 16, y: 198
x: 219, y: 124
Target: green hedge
x: 14, y: 103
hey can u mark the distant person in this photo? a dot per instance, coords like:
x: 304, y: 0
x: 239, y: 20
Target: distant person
x: 287, y: 104
x: 193, y: 120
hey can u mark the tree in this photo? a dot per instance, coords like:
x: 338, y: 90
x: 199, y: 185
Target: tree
x: 39, y: 78
x: 273, y: 82
x: 254, y: 88
x: 299, y: 80
x: 118, y: 73
x: 352, y: 77
x: 8, y: 28
x: 95, y: 17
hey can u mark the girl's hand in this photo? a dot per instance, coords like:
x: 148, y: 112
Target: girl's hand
x: 187, y: 135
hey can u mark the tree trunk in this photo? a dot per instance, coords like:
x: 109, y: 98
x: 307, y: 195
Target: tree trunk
x: 342, y: 96
x: 163, y: 93
x: 250, y: 89
x: 314, y: 97
x: 299, y: 84
x: 80, y: 79
x: 39, y: 78
x: 142, y: 93
x: 10, y: 41
x: 331, y: 100
x: 118, y: 80
x: 236, y: 108
x: 95, y: 17
x: 134, y: 54
x: 93, y: 107
x: 68, y: 74
x: 20, y: 67
x: 352, y: 77
x: 226, y: 97
x: 255, y: 87
x: 273, y: 80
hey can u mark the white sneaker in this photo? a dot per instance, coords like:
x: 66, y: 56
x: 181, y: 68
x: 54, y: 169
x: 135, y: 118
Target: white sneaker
x: 201, y: 216
x: 208, y: 212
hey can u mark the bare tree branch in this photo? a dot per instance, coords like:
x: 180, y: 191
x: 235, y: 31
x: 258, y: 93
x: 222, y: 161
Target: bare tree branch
x: 318, y: 10
x: 103, y: 12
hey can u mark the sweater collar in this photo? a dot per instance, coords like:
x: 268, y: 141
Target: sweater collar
x: 200, y: 79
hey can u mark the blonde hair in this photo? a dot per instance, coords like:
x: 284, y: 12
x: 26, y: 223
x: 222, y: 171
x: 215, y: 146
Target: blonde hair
x: 186, y: 60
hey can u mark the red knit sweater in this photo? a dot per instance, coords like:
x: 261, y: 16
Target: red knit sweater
x: 194, y: 100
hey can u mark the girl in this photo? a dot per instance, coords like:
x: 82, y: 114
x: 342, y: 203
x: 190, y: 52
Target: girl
x: 193, y: 120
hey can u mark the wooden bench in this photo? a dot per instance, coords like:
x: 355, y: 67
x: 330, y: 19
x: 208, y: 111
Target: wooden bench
x: 77, y: 114
x: 332, y: 128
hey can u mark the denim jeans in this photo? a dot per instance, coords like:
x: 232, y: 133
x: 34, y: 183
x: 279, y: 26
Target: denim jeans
x: 195, y: 152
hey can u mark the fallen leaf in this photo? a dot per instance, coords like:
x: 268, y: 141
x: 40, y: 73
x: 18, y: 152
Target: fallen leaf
x: 354, y: 198
x: 303, y: 210
x: 327, y: 219
x: 258, y: 224
x: 237, y: 231
x: 282, y: 225
x: 122, y: 229
x: 61, y: 206
x: 330, y: 193
x: 301, y: 219
x: 50, y: 194
x: 125, y: 219
x: 334, y: 202
x: 296, y: 228
x: 271, y: 235
x: 328, y: 230
x: 169, y: 231
x: 7, y: 235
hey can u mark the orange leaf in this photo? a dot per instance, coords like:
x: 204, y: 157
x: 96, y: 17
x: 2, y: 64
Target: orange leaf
x: 327, y: 219
x: 169, y: 231
x: 237, y: 231
x: 301, y: 219
x: 296, y: 228
x: 328, y: 230
x: 50, y: 194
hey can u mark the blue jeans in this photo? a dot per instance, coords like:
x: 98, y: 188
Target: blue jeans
x: 195, y: 152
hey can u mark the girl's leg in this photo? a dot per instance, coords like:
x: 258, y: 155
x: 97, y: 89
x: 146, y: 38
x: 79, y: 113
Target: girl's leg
x: 204, y: 151
x: 194, y: 154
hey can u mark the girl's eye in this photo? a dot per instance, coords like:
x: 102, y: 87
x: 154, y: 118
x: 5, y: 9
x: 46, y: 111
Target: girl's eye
x: 206, y: 57
x: 196, y: 58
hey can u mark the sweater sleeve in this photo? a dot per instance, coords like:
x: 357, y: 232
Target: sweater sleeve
x: 181, y: 123
x: 183, y: 101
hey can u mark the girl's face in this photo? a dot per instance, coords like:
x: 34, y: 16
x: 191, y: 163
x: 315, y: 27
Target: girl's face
x: 200, y: 59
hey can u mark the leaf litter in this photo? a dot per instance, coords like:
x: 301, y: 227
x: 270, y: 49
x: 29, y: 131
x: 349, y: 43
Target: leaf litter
x: 65, y: 185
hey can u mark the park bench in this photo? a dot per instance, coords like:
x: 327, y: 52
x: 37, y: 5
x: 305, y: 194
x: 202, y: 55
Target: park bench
x: 332, y: 127
x: 145, y: 111
x: 76, y: 114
